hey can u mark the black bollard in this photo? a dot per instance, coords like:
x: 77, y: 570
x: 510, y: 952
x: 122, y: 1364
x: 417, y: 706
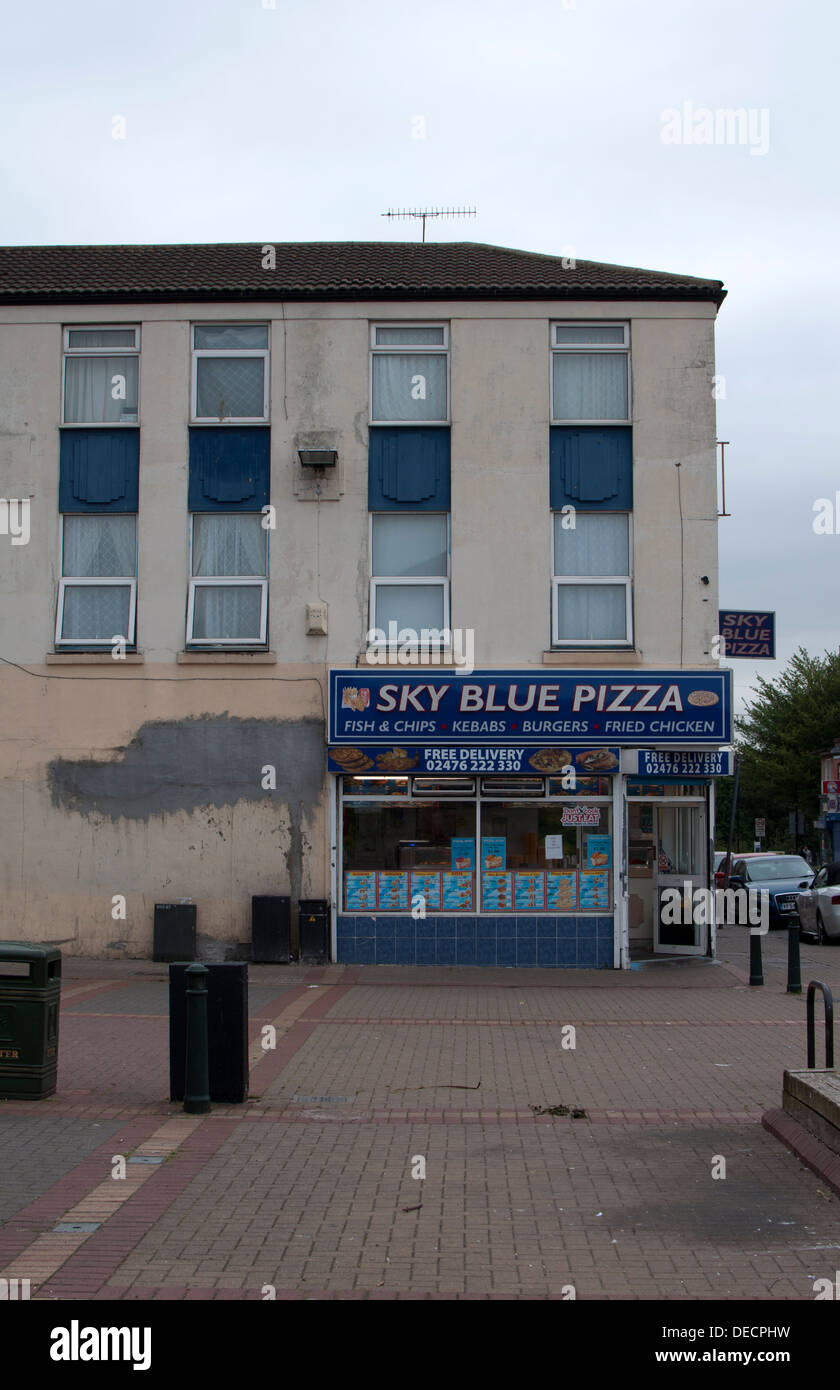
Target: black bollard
x: 197, y: 1087
x: 756, y: 974
x: 794, y: 984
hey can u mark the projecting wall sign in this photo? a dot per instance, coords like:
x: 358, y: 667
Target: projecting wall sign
x: 748, y: 635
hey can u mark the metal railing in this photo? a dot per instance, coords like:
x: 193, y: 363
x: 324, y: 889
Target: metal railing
x: 828, y: 1003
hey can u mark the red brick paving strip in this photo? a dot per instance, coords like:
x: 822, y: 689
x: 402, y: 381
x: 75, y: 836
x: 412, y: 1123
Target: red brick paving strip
x: 48, y: 1209
x: 74, y: 993
x: 286, y: 997
x: 85, y: 1272
x: 580, y: 1024
x: 299, y: 1031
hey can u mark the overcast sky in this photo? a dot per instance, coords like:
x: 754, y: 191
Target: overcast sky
x: 306, y: 121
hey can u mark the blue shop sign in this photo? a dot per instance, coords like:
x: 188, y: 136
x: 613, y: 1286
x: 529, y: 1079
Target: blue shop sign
x: 372, y: 761
x: 750, y: 635
x: 533, y: 708
x: 664, y: 764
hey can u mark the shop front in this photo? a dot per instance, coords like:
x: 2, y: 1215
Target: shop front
x: 513, y: 818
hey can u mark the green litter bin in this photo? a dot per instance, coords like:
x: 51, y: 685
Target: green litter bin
x: 30, y: 988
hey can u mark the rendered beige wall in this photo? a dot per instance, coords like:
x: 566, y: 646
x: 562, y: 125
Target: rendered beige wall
x: 64, y: 860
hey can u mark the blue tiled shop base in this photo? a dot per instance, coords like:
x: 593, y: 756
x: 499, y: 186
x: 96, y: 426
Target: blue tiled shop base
x: 560, y: 942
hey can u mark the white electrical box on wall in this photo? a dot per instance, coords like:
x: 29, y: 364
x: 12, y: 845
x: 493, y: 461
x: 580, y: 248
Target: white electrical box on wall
x: 316, y: 619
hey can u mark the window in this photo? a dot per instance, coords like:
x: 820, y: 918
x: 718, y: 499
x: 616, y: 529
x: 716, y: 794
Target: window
x: 101, y: 375
x: 590, y: 373
x: 98, y: 587
x: 410, y: 571
x: 592, y: 599
x: 230, y: 371
x: 228, y: 597
x: 409, y: 370
x: 469, y: 853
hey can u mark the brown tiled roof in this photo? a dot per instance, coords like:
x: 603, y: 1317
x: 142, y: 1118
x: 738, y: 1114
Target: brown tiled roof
x: 323, y: 271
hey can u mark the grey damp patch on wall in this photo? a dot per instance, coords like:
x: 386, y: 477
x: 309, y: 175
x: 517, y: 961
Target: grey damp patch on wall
x: 187, y: 764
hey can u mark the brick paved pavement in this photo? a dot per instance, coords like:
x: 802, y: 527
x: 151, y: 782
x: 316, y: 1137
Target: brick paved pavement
x: 309, y: 1188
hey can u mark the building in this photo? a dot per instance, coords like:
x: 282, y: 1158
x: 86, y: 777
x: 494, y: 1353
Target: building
x: 828, y: 822
x: 243, y: 484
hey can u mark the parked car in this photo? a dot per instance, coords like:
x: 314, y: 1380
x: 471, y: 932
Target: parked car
x: 720, y: 862
x: 819, y: 905
x: 778, y: 877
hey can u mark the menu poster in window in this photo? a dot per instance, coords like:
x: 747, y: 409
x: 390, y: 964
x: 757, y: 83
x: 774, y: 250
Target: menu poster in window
x: 495, y: 891
x: 463, y: 854
x: 598, y: 851
x: 457, y: 892
x: 528, y: 891
x: 493, y: 851
x: 393, y: 891
x: 426, y: 885
x: 560, y: 892
x: 554, y: 846
x: 360, y: 890
x: 594, y: 889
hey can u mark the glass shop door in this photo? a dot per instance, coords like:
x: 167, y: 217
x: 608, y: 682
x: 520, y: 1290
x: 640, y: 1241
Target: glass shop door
x: 680, y: 925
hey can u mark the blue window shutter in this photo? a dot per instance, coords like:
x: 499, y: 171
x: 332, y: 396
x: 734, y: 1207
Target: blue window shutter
x: 99, y: 470
x: 229, y: 468
x: 408, y: 467
x: 592, y: 468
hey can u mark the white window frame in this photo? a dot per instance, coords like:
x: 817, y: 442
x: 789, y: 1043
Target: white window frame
x: 407, y: 349
x: 111, y: 581
x: 68, y: 581
x: 557, y: 348
x: 428, y: 580
x: 196, y: 353
x: 590, y: 580
x: 68, y: 351
x: 231, y: 581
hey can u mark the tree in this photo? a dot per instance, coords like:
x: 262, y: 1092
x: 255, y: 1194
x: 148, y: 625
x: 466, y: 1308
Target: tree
x: 791, y: 720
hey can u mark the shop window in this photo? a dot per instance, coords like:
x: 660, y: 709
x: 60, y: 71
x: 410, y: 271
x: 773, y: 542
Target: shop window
x: 395, y: 854
x: 230, y: 371
x: 409, y: 370
x: 546, y: 858
x: 228, y: 596
x: 409, y: 572
x: 592, y: 584
x: 590, y: 375
x: 101, y: 372
x: 98, y: 587
x: 555, y: 857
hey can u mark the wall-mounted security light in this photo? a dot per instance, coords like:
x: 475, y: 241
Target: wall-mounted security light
x: 318, y: 458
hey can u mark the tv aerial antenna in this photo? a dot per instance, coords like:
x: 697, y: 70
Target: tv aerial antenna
x: 423, y: 213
